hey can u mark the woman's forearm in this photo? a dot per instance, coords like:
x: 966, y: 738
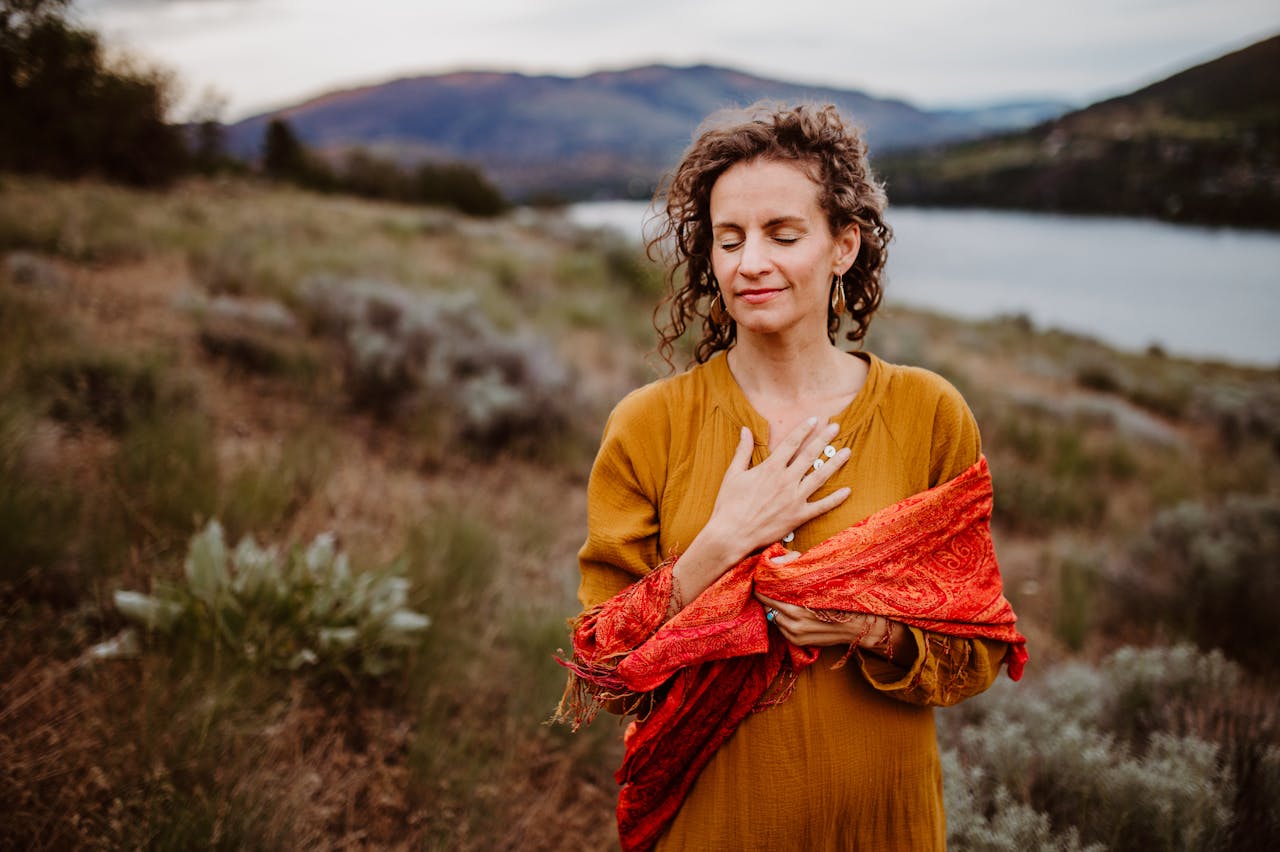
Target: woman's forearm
x: 707, y: 557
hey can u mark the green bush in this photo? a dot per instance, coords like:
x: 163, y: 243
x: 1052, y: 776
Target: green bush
x: 1122, y: 754
x: 1211, y: 575
x: 102, y: 389
x: 305, y: 611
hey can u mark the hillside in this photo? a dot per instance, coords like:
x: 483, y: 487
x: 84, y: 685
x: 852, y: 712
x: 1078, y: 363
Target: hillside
x: 608, y: 134
x: 430, y: 389
x: 1201, y: 146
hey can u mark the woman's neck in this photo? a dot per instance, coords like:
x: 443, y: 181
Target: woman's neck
x: 790, y: 371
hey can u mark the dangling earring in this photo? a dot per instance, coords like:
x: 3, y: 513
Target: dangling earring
x: 717, y: 312
x: 837, y: 294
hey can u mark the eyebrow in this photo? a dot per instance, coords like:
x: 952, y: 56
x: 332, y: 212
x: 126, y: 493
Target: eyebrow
x: 772, y: 223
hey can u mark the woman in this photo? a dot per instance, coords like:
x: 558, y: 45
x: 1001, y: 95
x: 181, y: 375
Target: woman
x: 780, y: 508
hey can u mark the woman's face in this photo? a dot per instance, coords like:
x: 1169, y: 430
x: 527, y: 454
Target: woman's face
x: 772, y: 250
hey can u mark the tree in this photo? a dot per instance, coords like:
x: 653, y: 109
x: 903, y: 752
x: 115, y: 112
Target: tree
x: 283, y: 156
x: 457, y: 185
x: 207, y: 137
x: 65, y: 112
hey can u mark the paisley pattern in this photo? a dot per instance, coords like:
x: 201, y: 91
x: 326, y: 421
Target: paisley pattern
x: 927, y: 561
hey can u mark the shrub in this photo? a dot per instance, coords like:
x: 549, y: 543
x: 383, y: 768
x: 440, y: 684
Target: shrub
x: 254, y: 335
x: 1209, y: 575
x: 103, y: 389
x: 308, y: 610
x: 1012, y: 826
x: 1108, y: 755
x: 436, y: 357
x: 1074, y: 603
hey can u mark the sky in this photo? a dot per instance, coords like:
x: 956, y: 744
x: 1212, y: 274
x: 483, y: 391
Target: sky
x: 243, y: 57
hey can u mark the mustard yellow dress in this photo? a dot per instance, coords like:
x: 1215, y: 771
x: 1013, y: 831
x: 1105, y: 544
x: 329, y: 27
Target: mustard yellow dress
x: 850, y: 760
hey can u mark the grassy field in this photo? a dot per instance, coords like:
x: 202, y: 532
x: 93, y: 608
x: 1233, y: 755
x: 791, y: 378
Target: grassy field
x: 429, y: 389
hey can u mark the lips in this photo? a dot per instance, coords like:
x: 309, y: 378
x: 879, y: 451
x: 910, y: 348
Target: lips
x: 757, y: 297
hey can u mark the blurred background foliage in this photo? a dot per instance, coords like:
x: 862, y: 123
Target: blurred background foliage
x: 426, y: 382
x: 69, y: 110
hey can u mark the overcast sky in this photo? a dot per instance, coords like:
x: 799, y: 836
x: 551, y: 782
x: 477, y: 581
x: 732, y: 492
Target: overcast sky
x: 263, y: 54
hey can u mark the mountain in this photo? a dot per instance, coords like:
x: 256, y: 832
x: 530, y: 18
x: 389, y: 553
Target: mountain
x: 1201, y: 146
x: 610, y: 133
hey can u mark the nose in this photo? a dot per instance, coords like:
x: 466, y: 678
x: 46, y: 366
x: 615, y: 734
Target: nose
x: 754, y: 260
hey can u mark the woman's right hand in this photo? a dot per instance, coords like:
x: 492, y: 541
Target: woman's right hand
x: 759, y: 505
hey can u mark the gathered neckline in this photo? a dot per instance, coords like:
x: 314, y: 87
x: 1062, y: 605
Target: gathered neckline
x: 730, y: 398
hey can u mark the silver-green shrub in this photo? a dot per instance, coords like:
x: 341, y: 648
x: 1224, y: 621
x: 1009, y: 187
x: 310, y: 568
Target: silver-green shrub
x: 305, y: 610
x: 436, y: 354
x: 1012, y: 826
x: 1086, y: 755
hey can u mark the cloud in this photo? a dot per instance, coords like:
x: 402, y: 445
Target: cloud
x: 270, y: 52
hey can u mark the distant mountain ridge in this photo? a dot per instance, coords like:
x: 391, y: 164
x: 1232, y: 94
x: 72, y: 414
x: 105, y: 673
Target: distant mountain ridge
x: 1200, y: 146
x: 606, y: 134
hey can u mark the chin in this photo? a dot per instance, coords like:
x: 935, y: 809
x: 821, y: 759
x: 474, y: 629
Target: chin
x: 764, y: 325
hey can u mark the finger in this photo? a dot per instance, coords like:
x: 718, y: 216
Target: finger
x: 789, y: 556
x: 817, y: 477
x: 742, y: 453
x: 767, y: 601
x: 813, y: 448
x: 826, y: 504
x: 795, y: 439
x: 790, y: 611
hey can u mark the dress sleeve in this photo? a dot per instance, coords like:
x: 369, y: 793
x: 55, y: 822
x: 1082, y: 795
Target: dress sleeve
x: 954, y: 439
x: 946, y: 670
x: 619, y: 563
x: 622, y: 501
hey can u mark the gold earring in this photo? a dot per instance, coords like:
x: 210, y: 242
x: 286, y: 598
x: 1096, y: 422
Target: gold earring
x: 717, y: 312
x: 837, y: 294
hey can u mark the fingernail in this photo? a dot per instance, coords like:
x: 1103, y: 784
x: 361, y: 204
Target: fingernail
x: 812, y: 421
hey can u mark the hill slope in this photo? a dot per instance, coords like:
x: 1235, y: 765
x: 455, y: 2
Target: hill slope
x: 609, y: 133
x: 1200, y: 146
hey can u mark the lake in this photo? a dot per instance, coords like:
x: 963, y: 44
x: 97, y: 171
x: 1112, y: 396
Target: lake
x: 1200, y: 292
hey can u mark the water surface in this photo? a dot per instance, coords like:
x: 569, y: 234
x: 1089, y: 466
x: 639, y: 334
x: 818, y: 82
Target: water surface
x: 1202, y: 292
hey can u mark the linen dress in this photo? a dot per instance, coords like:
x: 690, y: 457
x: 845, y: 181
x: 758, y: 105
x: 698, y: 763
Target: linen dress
x: 850, y: 759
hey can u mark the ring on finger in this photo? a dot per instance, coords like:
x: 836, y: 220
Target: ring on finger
x: 770, y: 614
x: 828, y: 453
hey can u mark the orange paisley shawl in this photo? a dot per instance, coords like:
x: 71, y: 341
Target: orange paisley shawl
x: 927, y: 561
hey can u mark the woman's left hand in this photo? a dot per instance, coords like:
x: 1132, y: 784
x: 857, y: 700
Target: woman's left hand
x: 801, y: 627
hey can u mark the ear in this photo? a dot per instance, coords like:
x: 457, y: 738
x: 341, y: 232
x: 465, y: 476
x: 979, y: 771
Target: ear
x: 848, y: 242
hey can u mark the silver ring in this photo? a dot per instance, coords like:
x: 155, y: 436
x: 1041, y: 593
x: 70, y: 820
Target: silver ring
x: 770, y: 614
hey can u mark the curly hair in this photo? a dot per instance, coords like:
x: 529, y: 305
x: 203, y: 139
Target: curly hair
x: 814, y: 138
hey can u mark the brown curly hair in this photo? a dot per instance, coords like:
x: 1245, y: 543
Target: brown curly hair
x: 830, y: 151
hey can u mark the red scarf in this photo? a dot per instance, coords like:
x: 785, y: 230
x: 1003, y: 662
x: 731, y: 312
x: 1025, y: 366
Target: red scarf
x: 927, y: 561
